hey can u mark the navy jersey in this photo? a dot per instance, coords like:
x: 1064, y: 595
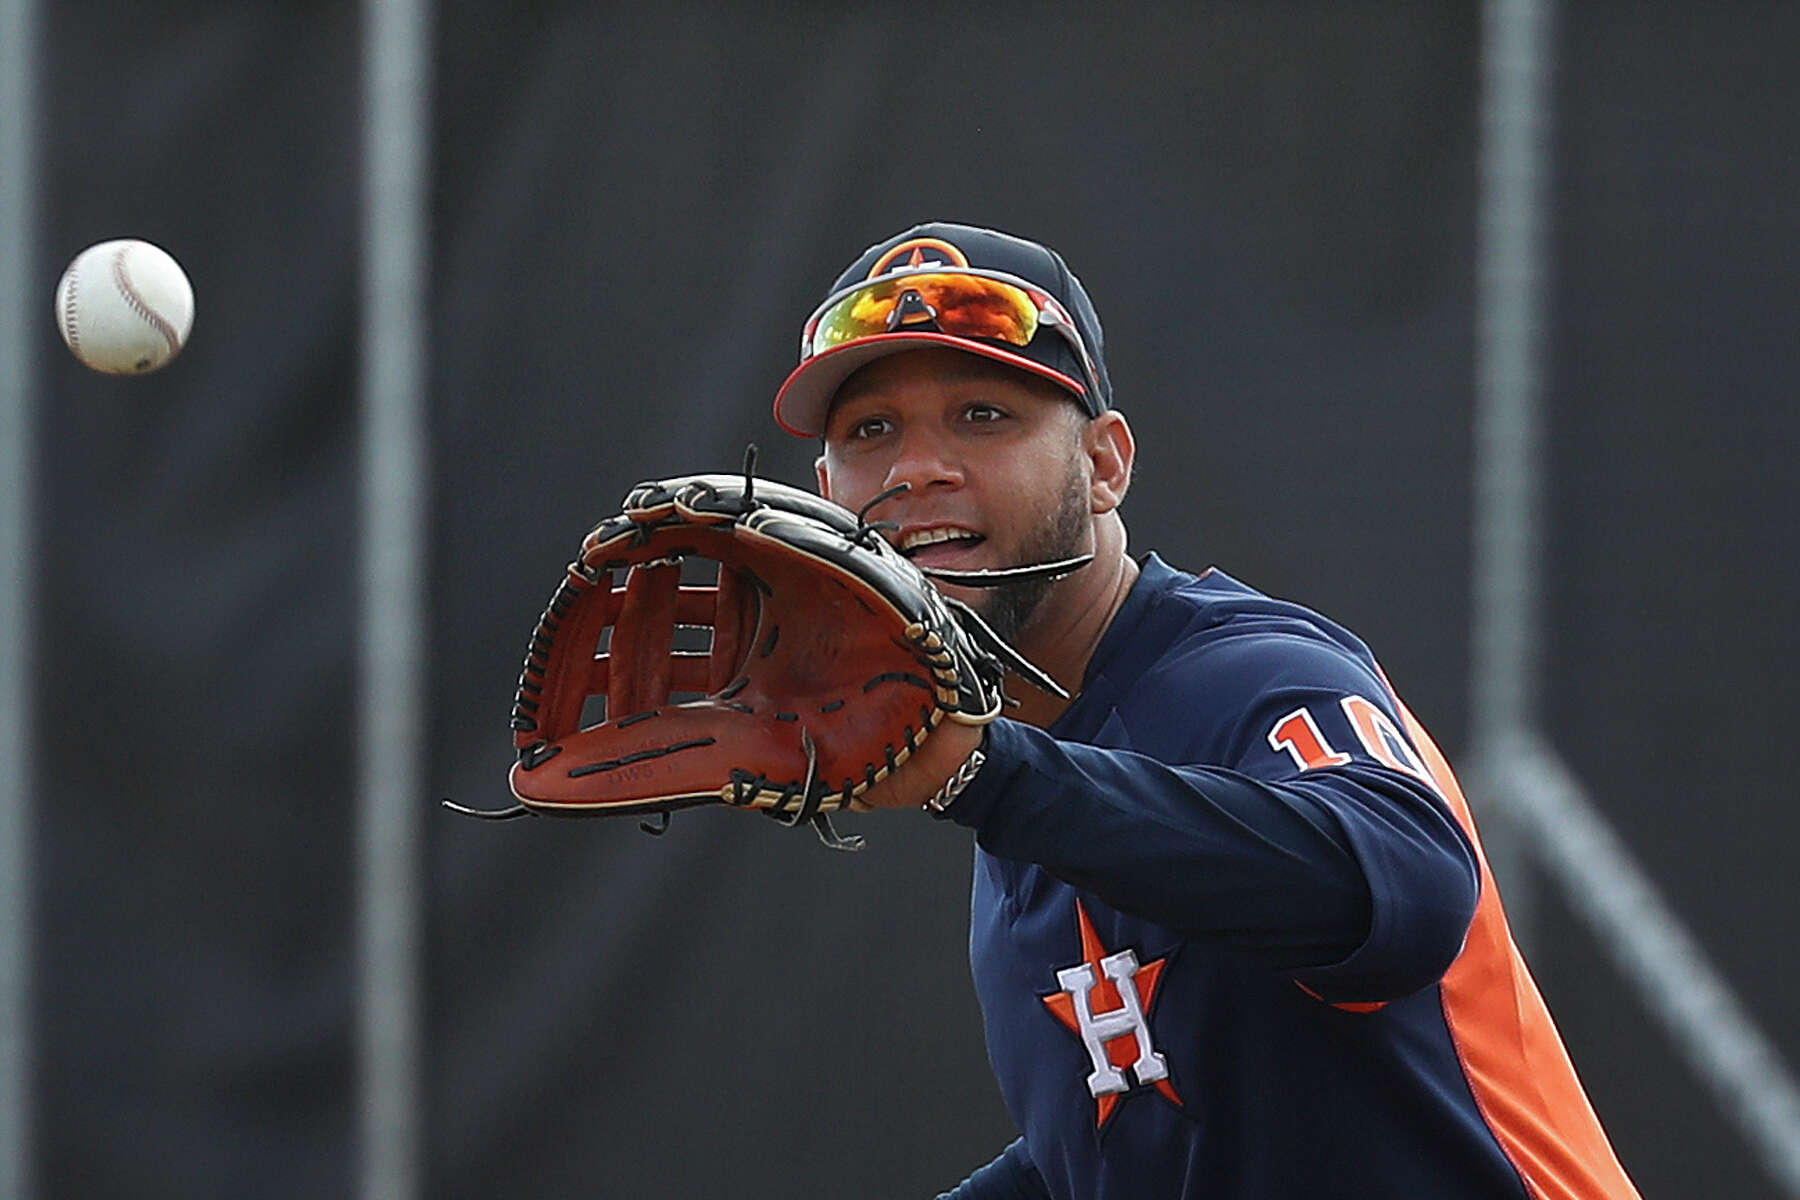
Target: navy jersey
x: 1233, y: 937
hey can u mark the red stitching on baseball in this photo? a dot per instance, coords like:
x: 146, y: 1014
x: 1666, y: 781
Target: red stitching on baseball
x: 138, y: 305
x: 71, y: 333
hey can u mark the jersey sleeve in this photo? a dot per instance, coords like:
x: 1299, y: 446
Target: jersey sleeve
x: 1009, y: 1177
x: 1268, y: 801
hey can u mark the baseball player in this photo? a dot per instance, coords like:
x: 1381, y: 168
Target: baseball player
x: 1232, y: 932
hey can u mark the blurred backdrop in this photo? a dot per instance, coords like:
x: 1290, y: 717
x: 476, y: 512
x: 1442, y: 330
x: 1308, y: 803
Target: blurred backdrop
x: 632, y: 209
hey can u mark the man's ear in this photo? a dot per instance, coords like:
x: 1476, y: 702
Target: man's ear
x: 824, y: 482
x: 1111, y: 452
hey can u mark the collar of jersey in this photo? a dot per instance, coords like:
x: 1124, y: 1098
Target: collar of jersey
x: 1130, y: 645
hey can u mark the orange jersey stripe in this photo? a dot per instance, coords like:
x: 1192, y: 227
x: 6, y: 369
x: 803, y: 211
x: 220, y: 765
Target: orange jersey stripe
x: 1513, y: 1057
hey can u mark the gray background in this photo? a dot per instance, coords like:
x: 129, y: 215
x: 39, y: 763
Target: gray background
x: 1273, y: 205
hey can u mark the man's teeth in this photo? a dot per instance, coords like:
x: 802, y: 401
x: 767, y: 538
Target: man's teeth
x: 927, y: 537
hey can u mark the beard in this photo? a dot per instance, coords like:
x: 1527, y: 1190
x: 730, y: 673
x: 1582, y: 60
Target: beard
x: 1009, y: 608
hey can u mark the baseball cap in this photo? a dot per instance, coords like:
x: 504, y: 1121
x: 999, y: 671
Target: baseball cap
x: 942, y: 284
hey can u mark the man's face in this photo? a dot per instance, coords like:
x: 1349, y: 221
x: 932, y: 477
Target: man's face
x: 995, y: 459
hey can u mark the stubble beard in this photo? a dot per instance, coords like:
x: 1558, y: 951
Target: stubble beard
x: 1008, y: 609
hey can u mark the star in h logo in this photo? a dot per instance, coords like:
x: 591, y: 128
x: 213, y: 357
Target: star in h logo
x: 1105, y: 1001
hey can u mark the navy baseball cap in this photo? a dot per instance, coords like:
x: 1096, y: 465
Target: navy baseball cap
x: 942, y: 284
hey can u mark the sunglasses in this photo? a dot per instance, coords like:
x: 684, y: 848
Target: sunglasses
x: 970, y: 303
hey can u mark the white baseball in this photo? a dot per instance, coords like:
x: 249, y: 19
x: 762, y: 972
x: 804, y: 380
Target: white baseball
x: 124, y: 307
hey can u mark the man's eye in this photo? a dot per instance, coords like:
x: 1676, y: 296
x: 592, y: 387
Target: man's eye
x: 870, y: 427
x: 983, y: 413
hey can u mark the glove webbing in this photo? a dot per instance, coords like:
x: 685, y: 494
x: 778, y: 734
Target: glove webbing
x: 644, y: 612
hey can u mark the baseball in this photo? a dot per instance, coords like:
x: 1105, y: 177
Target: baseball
x: 124, y: 307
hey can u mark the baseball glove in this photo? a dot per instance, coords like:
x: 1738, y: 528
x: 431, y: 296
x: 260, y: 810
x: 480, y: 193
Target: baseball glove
x: 827, y: 659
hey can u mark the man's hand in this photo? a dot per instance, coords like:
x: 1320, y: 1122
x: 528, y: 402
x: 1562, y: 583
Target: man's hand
x: 829, y: 650
x: 926, y: 770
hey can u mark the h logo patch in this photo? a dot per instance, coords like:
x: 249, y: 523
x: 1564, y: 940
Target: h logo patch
x: 1105, y: 1001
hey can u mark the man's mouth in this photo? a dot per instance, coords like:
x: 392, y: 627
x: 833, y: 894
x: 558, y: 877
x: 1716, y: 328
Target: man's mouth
x: 938, y: 544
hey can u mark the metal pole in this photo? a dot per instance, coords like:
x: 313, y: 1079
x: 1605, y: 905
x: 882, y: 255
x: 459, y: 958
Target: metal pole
x: 23, y: 311
x: 391, y: 717
x: 1505, y: 643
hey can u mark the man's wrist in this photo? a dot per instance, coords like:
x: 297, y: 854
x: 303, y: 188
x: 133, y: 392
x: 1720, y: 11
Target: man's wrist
x: 938, y: 804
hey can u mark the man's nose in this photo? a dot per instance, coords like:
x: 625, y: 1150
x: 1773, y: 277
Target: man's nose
x: 925, y: 462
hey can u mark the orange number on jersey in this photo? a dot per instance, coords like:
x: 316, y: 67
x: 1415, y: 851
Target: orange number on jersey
x: 1299, y: 735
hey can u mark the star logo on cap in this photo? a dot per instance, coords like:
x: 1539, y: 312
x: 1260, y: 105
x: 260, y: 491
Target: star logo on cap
x: 1105, y: 1001
x: 919, y: 254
